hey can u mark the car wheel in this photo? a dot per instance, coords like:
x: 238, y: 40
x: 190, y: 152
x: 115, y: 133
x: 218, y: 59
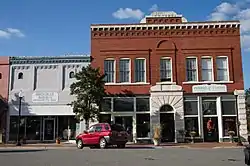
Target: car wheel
x: 121, y: 145
x: 102, y: 143
x: 79, y: 144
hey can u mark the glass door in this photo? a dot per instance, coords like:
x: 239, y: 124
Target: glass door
x: 49, y: 129
x: 210, y: 128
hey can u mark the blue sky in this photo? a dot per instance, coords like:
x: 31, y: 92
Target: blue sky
x: 30, y: 27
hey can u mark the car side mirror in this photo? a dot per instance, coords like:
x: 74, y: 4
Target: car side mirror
x: 85, y: 132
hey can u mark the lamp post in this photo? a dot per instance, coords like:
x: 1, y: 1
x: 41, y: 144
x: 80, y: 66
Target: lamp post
x: 239, y: 143
x: 20, y: 96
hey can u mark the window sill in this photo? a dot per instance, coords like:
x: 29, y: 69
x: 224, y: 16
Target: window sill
x: 134, y: 83
x: 208, y: 82
x: 165, y: 83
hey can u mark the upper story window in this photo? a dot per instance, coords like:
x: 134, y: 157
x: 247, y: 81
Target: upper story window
x: 222, y: 69
x: 207, y: 69
x: 71, y: 74
x: 165, y: 70
x: 140, y: 70
x: 20, y: 75
x: 124, y: 73
x: 191, y: 69
x: 0, y: 75
x: 109, y: 71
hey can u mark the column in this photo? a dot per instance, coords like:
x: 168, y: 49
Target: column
x: 134, y: 122
x: 241, y: 103
x: 220, y: 122
x: 200, y: 117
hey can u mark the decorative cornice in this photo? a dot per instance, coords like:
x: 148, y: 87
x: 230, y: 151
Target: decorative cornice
x: 142, y: 26
x: 162, y: 30
x: 49, y: 59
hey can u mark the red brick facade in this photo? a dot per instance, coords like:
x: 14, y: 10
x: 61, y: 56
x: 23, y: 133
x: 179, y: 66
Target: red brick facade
x: 177, y: 43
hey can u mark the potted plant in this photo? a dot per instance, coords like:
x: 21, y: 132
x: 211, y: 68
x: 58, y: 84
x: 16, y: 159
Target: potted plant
x: 192, y: 134
x: 182, y: 134
x: 58, y: 140
x: 157, y: 135
x: 231, y: 135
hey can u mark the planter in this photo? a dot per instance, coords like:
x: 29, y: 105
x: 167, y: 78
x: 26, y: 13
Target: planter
x: 231, y: 136
x: 156, y: 142
x: 58, y: 141
x: 192, y: 134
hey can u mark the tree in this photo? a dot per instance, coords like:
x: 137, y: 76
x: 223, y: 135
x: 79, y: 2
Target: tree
x: 89, y: 92
x: 247, y: 92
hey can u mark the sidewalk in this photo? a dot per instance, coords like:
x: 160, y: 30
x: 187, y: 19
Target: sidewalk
x: 129, y: 145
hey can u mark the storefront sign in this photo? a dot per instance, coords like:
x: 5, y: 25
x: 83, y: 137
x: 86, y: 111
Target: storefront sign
x: 209, y: 88
x: 45, y: 97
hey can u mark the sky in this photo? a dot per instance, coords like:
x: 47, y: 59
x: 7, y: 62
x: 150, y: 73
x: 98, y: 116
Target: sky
x: 46, y: 28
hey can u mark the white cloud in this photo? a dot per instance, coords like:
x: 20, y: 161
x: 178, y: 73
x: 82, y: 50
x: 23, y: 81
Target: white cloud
x: 15, y: 32
x: 125, y: 13
x: 154, y: 8
x: 239, y: 11
x: 11, y: 32
x: 4, y: 34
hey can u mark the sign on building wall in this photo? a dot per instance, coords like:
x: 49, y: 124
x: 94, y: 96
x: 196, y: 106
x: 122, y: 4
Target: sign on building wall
x: 45, y: 97
x: 213, y: 88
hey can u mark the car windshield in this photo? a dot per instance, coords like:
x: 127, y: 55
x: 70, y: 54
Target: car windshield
x: 116, y: 127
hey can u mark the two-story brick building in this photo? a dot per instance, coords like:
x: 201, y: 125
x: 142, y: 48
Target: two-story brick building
x: 165, y: 70
x: 4, y: 83
x: 44, y: 83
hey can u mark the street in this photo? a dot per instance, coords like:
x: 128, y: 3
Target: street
x: 122, y: 157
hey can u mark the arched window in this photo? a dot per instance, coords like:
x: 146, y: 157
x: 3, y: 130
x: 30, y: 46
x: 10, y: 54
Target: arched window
x: 20, y: 75
x: 166, y: 108
x: 0, y: 75
x: 71, y: 74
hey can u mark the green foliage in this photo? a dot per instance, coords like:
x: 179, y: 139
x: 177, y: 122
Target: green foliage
x: 247, y: 92
x: 88, y: 91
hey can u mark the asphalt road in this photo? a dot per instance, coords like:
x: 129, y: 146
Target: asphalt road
x: 122, y: 157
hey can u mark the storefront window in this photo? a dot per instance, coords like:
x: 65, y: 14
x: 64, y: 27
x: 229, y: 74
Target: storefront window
x: 190, y: 106
x: 142, y: 104
x: 143, y: 125
x: 33, y: 128
x: 228, y: 105
x: 66, y: 127
x: 13, y: 128
x: 229, y: 124
x: 191, y: 124
x: 209, y: 106
x: 124, y: 104
x: 105, y: 118
x: 106, y: 105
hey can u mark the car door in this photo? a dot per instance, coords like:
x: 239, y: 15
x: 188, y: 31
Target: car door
x: 90, y: 135
x: 97, y: 134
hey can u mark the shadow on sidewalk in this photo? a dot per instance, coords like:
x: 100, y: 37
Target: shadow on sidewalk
x: 21, y: 150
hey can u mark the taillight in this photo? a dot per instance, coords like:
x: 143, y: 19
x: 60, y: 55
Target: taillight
x: 110, y: 133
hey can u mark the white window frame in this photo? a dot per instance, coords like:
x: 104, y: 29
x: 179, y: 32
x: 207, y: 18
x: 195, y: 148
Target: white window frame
x: 129, y: 81
x: 212, y: 66
x: 197, y: 73
x: 145, y: 68
x: 108, y: 59
x: 228, y: 76
x: 163, y: 58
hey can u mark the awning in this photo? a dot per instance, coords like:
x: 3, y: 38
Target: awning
x: 41, y: 110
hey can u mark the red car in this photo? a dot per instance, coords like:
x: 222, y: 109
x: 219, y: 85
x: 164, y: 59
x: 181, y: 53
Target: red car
x: 102, y: 135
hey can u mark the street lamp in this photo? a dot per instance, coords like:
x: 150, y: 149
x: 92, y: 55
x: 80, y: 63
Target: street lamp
x: 239, y: 143
x: 20, y: 96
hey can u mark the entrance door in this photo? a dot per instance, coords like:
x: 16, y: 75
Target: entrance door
x: 127, y: 123
x: 167, y: 127
x: 210, y: 128
x: 49, y: 129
